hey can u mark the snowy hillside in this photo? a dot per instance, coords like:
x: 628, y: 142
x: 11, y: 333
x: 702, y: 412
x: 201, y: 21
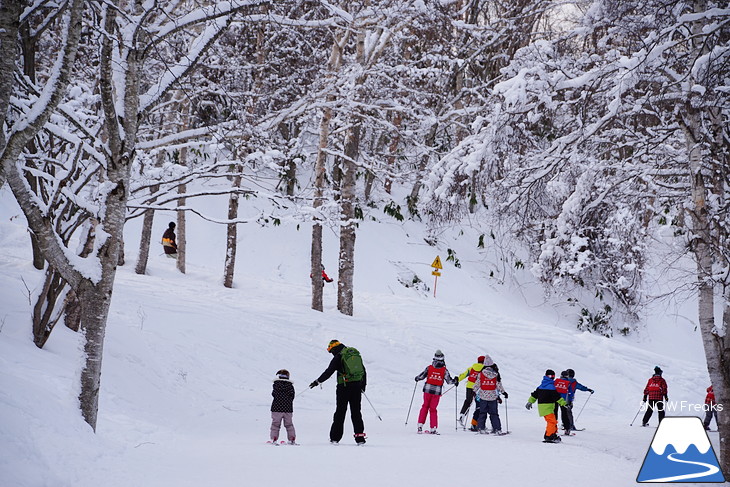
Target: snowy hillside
x: 189, y: 364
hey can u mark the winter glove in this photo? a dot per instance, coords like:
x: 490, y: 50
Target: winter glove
x: 528, y: 406
x: 313, y: 384
x: 456, y: 381
x: 499, y: 400
x: 416, y: 378
x: 506, y: 396
x: 591, y: 391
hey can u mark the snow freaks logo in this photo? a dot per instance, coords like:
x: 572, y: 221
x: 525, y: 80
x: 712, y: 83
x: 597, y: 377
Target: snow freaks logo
x: 680, y: 452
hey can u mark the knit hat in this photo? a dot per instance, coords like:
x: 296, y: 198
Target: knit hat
x: 571, y: 373
x: 333, y: 344
x: 488, y: 361
x: 438, y: 355
x: 657, y: 370
x: 283, y: 374
x: 550, y: 373
x: 171, y: 225
x: 480, y: 359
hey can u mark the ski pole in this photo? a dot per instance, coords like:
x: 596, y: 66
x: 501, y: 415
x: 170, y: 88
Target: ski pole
x: 637, y: 413
x: 506, y: 415
x: 305, y: 390
x: 456, y: 409
x: 447, y: 390
x: 371, y: 405
x: 581, y: 409
x: 411, y: 404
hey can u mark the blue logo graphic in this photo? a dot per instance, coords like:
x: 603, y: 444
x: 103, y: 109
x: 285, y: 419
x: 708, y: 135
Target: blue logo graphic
x: 680, y: 452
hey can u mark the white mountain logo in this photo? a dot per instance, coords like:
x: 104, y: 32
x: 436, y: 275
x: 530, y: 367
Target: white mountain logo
x: 680, y: 452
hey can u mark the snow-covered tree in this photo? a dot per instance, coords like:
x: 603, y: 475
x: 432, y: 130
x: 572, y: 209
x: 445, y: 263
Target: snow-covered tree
x: 93, y: 177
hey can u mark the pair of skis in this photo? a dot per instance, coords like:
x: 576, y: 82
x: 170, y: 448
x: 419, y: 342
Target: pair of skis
x: 282, y: 442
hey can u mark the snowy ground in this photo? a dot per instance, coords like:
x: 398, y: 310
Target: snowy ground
x: 188, y: 367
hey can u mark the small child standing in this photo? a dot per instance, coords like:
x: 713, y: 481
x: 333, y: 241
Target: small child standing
x: 435, y: 374
x: 546, y: 396
x: 282, y: 407
x: 487, y: 387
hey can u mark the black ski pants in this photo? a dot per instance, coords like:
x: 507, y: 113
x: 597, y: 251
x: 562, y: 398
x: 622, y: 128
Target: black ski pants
x: 711, y: 411
x: 651, y: 405
x: 566, y: 415
x: 350, y: 394
x: 467, y: 401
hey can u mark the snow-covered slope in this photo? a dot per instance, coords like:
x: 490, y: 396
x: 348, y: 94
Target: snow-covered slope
x: 188, y: 368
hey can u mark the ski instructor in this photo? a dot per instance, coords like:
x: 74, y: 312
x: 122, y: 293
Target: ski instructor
x: 351, y: 381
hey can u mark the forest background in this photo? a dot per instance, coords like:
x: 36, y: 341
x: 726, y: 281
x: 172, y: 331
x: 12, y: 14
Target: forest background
x: 585, y: 138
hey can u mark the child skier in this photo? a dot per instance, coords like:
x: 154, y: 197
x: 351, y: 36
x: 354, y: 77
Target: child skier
x: 282, y: 407
x: 470, y: 374
x: 572, y: 387
x: 487, y: 386
x: 710, y: 409
x: 562, y: 385
x: 546, y: 396
x: 435, y: 374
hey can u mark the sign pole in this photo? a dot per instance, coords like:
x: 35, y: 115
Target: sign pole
x: 436, y: 267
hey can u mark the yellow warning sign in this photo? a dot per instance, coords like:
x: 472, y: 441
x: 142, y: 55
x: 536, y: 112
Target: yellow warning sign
x: 435, y: 273
x: 437, y: 263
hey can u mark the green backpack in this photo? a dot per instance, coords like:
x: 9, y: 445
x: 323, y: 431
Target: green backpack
x: 353, y: 369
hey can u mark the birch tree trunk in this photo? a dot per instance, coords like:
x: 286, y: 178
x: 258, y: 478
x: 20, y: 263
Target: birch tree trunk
x: 348, y: 224
x: 716, y: 353
x: 696, y: 119
x: 181, y: 238
x: 232, y: 231
x: 9, y: 24
x: 29, y: 45
x: 146, y: 237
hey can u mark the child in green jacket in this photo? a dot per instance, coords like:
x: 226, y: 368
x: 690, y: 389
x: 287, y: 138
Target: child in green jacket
x: 546, y: 396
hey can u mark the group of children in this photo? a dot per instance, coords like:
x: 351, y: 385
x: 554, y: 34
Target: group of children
x: 484, y: 384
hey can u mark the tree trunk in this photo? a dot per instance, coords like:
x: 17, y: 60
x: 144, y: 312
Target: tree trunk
x: 348, y: 225
x: 316, y: 267
x: 421, y: 172
x: 716, y: 353
x: 95, y: 301
x: 181, y: 189
x: 9, y: 26
x: 232, y: 232
x: 393, y: 149
x: 694, y: 119
x: 47, y: 310
x: 320, y: 168
x: 145, y: 239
